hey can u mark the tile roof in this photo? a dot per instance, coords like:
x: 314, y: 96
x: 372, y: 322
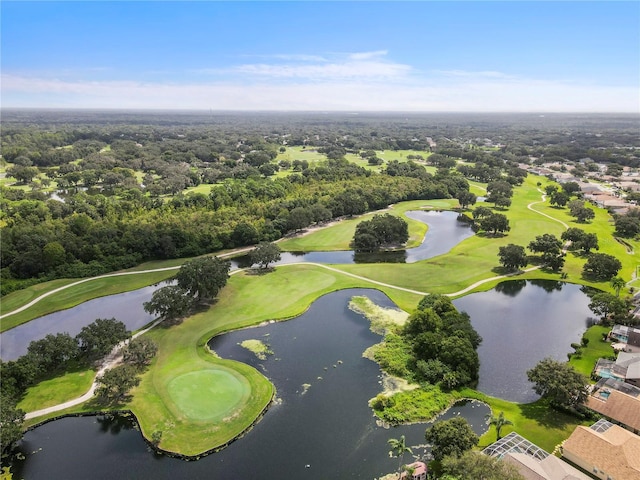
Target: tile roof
x: 618, y: 406
x: 615, y: 451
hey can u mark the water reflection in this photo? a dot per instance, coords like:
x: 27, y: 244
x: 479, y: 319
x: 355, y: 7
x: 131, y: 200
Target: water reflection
x: 321, y: 418
x: 511, y: 288
x: 521, y: 322
x: 125, y: 307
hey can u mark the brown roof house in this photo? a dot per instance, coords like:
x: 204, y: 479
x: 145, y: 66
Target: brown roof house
x: 618, y: 401
x: 532, y: 462
x: 605, y: 450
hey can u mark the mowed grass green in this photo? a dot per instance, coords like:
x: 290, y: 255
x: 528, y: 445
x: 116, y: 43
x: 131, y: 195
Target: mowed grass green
x: 339, y: 235
x: 289, y: 290
x: 56, y: 390
x: 71, y: 296
x: 208, y: 395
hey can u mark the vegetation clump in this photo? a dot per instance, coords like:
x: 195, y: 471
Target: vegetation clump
x: 559, y: 383
x: 198, y: 280
x: 264, y: 254
x: 451, y: 437
x: 381, y: 231
x: 435, y: 348
x: 258, y: 347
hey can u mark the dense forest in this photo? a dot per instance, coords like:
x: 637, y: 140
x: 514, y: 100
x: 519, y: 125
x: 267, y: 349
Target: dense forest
x: 93, y: 192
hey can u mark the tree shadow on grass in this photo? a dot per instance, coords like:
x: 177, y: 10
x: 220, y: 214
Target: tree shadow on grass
x: 491, y: 234
x: 505, y: 271
x: 543, y: 414
x: 259, y: 271
x: 100, y: 404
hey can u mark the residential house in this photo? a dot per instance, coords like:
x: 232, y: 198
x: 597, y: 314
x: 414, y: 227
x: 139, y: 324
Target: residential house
x: 532, y: 462
x: 605, y: 450
x: 619, y: 402
x: 419, y: 471
x: 626, y: 368
x: 629, y: 337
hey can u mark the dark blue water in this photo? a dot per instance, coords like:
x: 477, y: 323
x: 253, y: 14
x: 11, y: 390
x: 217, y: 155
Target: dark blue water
x: 521, y: 322
x: 444, y: 233
x: 125, y: 307
x: 326, y: 425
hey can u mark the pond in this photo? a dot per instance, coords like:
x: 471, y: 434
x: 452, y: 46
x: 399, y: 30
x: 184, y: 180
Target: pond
x: 445, y: 232
x: 320, y: 426
x: 125, y: 307
x: 521, y: 322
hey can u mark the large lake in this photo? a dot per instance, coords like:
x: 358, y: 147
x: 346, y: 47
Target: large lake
x: 320, y: 427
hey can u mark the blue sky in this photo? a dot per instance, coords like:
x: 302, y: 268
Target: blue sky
x: 332, y: 55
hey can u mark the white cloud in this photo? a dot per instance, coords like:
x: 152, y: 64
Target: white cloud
x: 368, y: 55
x: 319, y: 68
x: 351, y: 69
x: 349, y: 93
x: 472, y: 74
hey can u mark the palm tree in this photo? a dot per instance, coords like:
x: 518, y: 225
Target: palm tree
x: 617, y: 284
x: 409, y: 470
x: 499, y: 422
x: 398, y: 449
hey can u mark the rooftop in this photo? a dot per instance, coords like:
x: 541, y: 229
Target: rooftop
x: 616, y: 404
x: 532, y: 462
x: 608, y: 447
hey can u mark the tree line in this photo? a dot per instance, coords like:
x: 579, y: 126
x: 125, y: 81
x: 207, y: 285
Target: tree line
x: 87, y: 235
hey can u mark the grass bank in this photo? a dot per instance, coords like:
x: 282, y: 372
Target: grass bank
x: 72, y: 296
x: 339, y: 235
x: 536, y: 421
x: 289, y: 290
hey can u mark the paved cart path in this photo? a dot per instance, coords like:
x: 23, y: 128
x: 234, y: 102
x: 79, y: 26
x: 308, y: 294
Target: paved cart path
x: 115, y: 356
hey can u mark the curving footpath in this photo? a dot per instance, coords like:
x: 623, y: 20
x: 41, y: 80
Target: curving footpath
x: 111, y: 360
x: 84, y: 280
x: 115, y: 356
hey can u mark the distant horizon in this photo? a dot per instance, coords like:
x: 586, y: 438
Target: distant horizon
x: 323, y: 112
x: 375, y: 56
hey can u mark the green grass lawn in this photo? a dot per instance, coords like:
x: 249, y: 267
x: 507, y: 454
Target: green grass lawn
x: 209, y: 395
x: 71, y: 384
x: 162, y: 401
x: 536, y: 421
x: 595, y: 349
x: 204, y: 188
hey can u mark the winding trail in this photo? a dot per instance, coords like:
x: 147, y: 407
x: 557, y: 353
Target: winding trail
x: 115, y: 357
x: 111, y: 360
x: 84, y: 280
x: 544, y: 197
